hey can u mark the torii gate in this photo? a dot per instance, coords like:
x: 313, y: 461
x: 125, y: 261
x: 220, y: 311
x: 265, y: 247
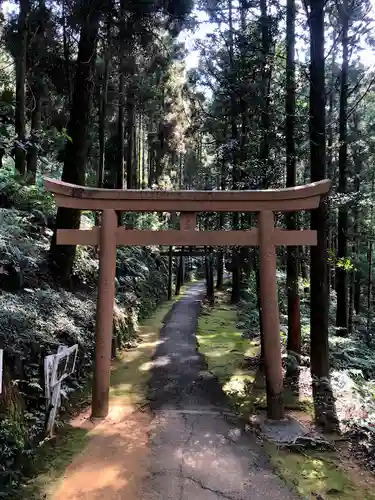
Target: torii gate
x: 188, y: 203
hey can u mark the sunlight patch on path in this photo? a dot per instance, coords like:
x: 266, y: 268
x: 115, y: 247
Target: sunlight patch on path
x: 106, y: 463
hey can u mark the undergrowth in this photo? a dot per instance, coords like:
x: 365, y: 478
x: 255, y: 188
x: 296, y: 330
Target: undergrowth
x: 129, y: 376
x: 228, y: 336
x: 37, y: 315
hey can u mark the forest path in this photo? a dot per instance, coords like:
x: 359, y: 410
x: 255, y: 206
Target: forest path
x: 187, y: 447
x: 198, y: 450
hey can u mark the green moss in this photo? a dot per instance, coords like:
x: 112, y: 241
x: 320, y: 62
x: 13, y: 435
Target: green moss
x: 225, y: 349
x: 231, y: 357
x: 130, y: 372
x: 52, y: 459
x: 312, y: 474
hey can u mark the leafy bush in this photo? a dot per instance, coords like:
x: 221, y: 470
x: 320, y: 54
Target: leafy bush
x: 41, y: 316
x: 12, y: 449
x: 16, y: 193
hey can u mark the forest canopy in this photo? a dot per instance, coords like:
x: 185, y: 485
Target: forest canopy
x: 212, y: 95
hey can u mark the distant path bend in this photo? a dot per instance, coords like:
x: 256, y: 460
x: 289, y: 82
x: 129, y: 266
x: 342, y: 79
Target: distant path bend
x: 196, y: 451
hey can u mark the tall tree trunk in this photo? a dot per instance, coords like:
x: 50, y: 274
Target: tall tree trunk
x: 332, y: 218
x: 369, y: 291
x: 333, y: 248
x: 143, y: 156
x: 36, y: 123
x: 68, y: 75
x: 324, y: 411
x: 131, y: 173
x: 294, y: 320
x: 235, y: 296
x: 170, y: 272
x: 244, y: 78
x: 21, y: 65
x: 135, y: 148
x: 37, y: 95
x: 351, y: 303
x: 120, y: 172
x: 369, y: 263
x: 121, y: 129
x: 210, y: 292
x: 342, y: 227
x: 139, y: 152
x: 103, y: 103
x: 179, y: 274
x: 181, y: 170
x: 150, y: 155
x: 220, y: 270
x: 330, y: 126
x: 357, y: 159
x: 220, y: 254
x: 264, y: 148
x: 357, y: 282
x: 2, y: 154
x: 62, y: 256
x: 160, y: 148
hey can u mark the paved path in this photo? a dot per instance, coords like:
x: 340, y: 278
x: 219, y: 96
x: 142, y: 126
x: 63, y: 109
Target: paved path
x: 197, y: 450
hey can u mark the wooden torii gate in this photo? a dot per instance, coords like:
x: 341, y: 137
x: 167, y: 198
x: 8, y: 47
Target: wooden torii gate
x: 188, y: 203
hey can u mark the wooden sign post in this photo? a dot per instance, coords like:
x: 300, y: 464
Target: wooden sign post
x: 264, y: 202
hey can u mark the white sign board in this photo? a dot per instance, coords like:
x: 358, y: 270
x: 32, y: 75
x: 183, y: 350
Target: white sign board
x: 64, y: 363
x: 1, y: 370
x: 57, y: 367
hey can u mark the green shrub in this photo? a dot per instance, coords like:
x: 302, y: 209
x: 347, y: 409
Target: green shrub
x: 16, y: 193
x: 41, y: 316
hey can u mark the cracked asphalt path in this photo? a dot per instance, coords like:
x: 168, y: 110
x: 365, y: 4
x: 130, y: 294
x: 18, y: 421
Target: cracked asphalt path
x: 198, y: 450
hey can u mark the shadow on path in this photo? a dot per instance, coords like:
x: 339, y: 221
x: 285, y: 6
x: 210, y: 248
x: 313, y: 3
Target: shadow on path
x: 198, y: 449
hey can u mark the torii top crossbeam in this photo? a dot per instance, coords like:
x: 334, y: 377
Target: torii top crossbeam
x: 276, y: 200
x: 188, y: 203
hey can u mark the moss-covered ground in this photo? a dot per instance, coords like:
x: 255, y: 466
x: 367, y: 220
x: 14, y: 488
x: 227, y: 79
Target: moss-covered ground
x: 232, y: 358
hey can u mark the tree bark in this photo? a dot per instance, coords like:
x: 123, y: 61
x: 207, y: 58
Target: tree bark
x: 220, y: 270
x: 220, y: 255
x: 357, y: 158
x: 294, y: 320
x: 143, y: 155
x: 235, y: 295
x: 370, y: 266
x: 131, y: 172
x: 332, y: 219
x: 62, y: 256
x: 369, y: 291
x: 120, y: 183
x: 103, y: 106
x: 324, y: 410
x: 170, y: 272
x: 67, y: 56
x: 37, y: 95
x: 181, y: 170
x: 342, y: 227
x: 139, y: 151
x: 210, y: 292
x: 20, y: 109
x: 2, y: 154
x: 180, y: 274
x: 264, y: 149
x: 36, y: 123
